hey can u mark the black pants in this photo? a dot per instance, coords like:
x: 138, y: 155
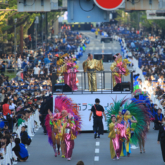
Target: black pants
x: 10, y: 123
x: 98, y: 125
x: 157, y: 126
x: 162, y: 144
x: 42, y: 119
x: 36, y: 76
x: 26, y: 141
x: 19, y: 157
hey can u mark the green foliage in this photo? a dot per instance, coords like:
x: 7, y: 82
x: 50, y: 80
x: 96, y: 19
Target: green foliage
x: 146, y: 22
x: 24, y: 18
x: 11, y: 75
x: 136, y: 18
x: 121, y: 17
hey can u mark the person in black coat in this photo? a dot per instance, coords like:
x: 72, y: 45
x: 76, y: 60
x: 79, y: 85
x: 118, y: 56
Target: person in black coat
x: 98, y: 113
x: 161, y: 138
x: 25, y: 139
x: 158, y: 119
x: 47, y: 104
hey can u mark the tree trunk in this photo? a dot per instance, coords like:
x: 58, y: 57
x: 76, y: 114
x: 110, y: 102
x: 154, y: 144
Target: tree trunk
x: 21, y: 39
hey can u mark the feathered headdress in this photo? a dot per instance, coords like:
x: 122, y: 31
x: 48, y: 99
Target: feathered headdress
x: 63, y: 103
x: 126, y: 61
x: 138, y: 111
x: 115, y: 108
x: 60, y: 62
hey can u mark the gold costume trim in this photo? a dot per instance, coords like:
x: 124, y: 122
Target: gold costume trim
x: 93, y: 65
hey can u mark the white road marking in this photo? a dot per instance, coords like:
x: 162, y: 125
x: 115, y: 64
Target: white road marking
x: 97, y: 150
x: 97, y: 48
x: 96, y: 158
x: 97, y: 143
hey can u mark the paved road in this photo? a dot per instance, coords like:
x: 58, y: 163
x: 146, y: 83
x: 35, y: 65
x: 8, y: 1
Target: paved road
x: 96, y: 46
x: 41, y: 152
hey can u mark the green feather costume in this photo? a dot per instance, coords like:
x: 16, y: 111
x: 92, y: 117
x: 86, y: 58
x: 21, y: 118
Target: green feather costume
x: 138, y: 111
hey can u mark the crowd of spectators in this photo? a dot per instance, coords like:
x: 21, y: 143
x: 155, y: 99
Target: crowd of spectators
x: 31, y: 89
x: 151, y: 58
x: 149, y: 51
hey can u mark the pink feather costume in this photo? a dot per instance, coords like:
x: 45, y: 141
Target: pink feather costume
x: 67, y: 138
x: 121, y: 71
x: 70, y: 75
x: 117, y: 143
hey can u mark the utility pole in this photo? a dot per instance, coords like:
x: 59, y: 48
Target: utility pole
x: 31, y: 43
x: 138, y: 20
x: 42, y: 29
x: 21, y: 39
x: 15, y: 40
x: 36, y: 22
x: 46, y: 34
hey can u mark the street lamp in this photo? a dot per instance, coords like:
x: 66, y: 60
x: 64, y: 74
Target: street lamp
x: 15, y: 40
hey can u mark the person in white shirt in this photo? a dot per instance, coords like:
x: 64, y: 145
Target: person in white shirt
x: 36, y: 71
x: 131, y: 61
x: 150, y: 89
x: 140, y: 84
x: 19, y: 62
x: 160, y: 80
x: 12, y: 105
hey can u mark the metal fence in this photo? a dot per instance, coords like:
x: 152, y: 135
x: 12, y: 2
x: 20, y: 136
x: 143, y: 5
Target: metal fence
x: 104, y: 83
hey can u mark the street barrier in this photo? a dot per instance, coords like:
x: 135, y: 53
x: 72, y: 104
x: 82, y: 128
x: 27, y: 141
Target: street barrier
x: 33, y: 124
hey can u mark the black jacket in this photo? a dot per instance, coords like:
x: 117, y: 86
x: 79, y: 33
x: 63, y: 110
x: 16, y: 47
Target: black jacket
x: 161, y: 134
x: 24, y: 135
x: 157, y: 119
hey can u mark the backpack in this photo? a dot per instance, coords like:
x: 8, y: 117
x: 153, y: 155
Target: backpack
x: 98, y: 113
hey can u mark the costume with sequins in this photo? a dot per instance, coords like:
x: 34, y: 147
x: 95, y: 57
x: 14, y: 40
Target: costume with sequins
x: 91, y: 66
x: 119, y: 68
x: 67, y: 121
x: 134, y: 118
x: 69, y: 71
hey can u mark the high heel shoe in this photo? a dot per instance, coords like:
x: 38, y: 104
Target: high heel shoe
x: 144, y: 151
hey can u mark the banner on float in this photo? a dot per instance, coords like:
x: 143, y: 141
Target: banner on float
x: 85, y: 103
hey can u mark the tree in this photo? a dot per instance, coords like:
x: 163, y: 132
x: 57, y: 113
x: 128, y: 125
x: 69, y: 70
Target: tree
x: 23, y: 19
